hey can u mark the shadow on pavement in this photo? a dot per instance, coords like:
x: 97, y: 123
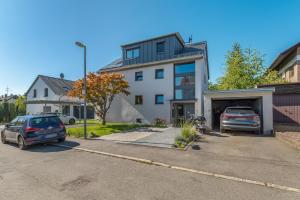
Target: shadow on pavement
x: 49, y: 148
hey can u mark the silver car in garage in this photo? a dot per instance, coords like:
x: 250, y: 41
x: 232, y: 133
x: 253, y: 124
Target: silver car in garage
x: 240, y: 118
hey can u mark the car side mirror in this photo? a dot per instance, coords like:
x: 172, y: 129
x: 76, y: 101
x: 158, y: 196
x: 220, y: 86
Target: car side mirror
x: 7, y: 125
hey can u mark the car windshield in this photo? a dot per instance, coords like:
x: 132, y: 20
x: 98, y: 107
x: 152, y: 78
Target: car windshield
x: 239, y: 111
x: 44, y: 122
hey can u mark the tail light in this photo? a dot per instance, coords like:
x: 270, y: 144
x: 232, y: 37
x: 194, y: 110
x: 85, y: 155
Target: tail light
x: 30, y: 129
x: 225, y: 117
x: 62, y: 126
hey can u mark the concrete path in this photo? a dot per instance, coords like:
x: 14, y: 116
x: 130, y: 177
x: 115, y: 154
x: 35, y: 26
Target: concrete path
x: 158, y: 137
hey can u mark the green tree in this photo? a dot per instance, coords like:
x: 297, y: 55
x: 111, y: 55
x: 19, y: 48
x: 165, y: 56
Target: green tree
x: 245, y: 69
x: 20, y: 105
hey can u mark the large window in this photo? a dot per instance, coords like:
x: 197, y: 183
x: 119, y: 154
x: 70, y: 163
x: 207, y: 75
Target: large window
x: 159, y: 99
x: 184, y: 82
x: 159, y: 73
x: 139, y: 100
x: 132, y: 53
x: 139, y: 76
x: 160, y: 47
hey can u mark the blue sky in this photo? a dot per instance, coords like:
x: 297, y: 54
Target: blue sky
x: 37, y: 37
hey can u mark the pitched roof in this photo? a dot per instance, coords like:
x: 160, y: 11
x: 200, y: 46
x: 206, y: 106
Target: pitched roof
x: 283, y: 55
x: 198, y: 48
x: 57, y: 85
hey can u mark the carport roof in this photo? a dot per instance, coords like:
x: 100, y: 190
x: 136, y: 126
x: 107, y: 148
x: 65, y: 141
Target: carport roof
x: 242, y: 91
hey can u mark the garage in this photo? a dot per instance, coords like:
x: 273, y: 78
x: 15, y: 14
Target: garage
x: 260, y: 99
x: 286, y: 103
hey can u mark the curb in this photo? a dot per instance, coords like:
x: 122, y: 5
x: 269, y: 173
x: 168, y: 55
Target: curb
x: 150, y: 162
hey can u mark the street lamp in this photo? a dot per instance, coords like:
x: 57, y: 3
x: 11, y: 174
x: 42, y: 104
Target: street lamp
x: 84, y: 87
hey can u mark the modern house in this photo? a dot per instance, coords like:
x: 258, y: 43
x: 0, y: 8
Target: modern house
x: 288, y: 64
x: 167, y: 78
x: 48, y: 94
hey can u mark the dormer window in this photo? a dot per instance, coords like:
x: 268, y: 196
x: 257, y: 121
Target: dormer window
x: 34, y: 93
x: 132, y: 53
x: 160, y: 47
x: 46, y: 92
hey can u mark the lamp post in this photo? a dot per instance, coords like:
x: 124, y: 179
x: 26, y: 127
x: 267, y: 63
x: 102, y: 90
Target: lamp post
x: 84, y: 88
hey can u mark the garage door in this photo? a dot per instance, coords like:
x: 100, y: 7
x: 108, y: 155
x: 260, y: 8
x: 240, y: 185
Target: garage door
x: 286, y: 108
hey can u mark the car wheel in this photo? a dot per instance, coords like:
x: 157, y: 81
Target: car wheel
x: 3, y: 140
x: 72, y: 121
x: 21, y: 143
x: 61, y: 139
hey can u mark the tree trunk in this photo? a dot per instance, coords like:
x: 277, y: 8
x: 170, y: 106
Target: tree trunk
x: 104, y: 119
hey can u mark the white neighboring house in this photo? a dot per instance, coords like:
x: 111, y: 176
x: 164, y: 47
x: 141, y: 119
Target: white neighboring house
x: 167, y: 78
x: 48, y: 94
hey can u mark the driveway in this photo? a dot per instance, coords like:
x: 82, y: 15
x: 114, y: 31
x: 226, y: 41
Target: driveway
x: 155, y: 137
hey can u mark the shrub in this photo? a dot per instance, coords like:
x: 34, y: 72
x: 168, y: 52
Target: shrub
x: 159, y: 123
x: 188, y: 134
x: 180, y: 142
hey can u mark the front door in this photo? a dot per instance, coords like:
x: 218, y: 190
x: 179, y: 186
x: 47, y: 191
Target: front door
x: 181, y: 112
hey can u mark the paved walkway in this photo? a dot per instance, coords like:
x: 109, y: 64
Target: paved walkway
x: 158, y: 137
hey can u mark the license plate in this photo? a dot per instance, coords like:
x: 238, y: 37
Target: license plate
x: 50, y: 135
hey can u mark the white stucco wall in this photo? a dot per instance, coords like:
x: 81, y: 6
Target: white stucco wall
x: 40, y: 85
x: 123, y: 108
x: 265, y: 94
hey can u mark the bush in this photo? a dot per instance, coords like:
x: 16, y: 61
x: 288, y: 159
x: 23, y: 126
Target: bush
x: 188, y: 134
x: 161, y: 123
x: 180, y: 142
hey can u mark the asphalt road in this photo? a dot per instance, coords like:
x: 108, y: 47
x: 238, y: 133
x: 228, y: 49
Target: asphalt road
x: 48, y: 172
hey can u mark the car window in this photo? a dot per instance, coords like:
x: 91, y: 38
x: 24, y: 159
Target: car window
x: 239, y: 111
x: 20, y: 121
x: 44, y: 122
x: 14, y: 121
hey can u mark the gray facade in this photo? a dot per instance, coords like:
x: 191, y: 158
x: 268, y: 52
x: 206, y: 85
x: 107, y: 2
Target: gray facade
x: 148, y: 50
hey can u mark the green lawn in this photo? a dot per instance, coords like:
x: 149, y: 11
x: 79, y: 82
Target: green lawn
x: 96, y: 129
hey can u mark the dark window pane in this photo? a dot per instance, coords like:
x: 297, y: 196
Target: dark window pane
x: 34, y: 93
x: 160, y: 47
x: 44, y: 122
x: 138, y: 100
x: 159, y: 99
x: 46, y: 92
x: 139, y: 76
x: 159, y: 73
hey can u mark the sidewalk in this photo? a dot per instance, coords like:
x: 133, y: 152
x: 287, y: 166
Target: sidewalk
x: 291, y: 138
x: 269, y: 161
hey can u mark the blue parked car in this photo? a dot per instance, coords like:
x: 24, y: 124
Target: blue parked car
x: 33, y: 129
